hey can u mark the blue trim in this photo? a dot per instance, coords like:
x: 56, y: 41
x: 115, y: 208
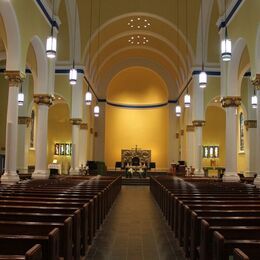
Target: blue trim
x: 102, y: 100
x: 209, y: 73
x: 247, y: 74
x: 224, y: 23
x: 137, y: 106
x: 172, y: 101
x: 52, y: 22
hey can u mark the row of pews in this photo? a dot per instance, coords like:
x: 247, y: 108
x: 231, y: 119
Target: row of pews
x: 55, y: 218
x: 211, y: 220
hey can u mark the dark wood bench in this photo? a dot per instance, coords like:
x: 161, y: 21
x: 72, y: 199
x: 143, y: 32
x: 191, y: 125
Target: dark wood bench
x: 34, y: 253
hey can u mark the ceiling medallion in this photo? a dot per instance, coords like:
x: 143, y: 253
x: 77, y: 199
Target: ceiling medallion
x: 138, y: 40
x: 139, y: 23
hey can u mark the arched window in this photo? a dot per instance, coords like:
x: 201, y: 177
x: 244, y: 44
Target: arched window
x: 241, y: 133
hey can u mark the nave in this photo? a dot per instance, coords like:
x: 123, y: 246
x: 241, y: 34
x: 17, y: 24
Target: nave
x: 135, y: 229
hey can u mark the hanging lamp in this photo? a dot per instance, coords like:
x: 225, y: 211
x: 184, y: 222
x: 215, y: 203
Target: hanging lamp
x: 88, y: 98
x: 73, y: 72
x: 20, y: 97
x: 51, y: 43
x: 187, y: 100
x: 203, y: 77
x: 254, y: 100
x: 178, y: 110
x: 96, y: 111
x: 226, y: 45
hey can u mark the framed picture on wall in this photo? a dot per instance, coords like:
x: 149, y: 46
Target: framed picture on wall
x: 62, y: 149
x: 56, y: 149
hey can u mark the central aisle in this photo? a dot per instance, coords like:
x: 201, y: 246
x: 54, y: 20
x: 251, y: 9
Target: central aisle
x: 135, y: 229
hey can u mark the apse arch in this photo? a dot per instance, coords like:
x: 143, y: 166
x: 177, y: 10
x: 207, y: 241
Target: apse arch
x: 257, y: 51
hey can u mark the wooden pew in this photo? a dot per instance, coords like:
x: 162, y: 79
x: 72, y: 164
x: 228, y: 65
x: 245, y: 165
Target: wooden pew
x: 48, y: 240
x: 226, y: 239
x: 34, y: 253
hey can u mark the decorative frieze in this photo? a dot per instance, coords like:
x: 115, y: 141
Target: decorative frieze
x: 190, y: 128
x: 250, y: 124
x: 14, y: 77
x: 256, y: 82
x: 43, y: 99
x: 230, y: 101
x: 84, y: 126
x: 24, y: 120
x: 75, y: 121
x: 198, y: 123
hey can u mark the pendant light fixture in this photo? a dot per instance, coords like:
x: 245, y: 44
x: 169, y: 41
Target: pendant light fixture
x: 96, y: 110
x: 88, y: 95
x: 73, y: 72
x: 254, y: 100
x: 20, y: 96
x: 178, y: 110
x: 226, y: 45
x: 88, y: 98
x: 203, y: 78
x: 51, y: 43
x: 187, y: 100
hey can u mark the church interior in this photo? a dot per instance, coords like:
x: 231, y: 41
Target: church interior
x: 128, y: 129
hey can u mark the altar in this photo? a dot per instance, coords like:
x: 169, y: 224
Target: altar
x: 135, y: 156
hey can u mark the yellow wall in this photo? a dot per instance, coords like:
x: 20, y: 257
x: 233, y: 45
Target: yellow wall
x: 147, y: 128
x: 214, y: 133
x: 59, y: 131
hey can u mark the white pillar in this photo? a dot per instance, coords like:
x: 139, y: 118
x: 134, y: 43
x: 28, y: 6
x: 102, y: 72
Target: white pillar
x: 99, y: 135
x: 23, y: 144
x: 230, y: 104
x: 10, y: 175
x: 41, y: 170
x: 257, y: 179
x: 190, y: 132
x: 198, y: 124
x: 83, y: 144
x: 74, y: 170
x: 173, y: 148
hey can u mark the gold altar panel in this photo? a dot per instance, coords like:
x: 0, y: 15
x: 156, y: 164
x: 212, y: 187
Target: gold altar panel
x: 147, y: 128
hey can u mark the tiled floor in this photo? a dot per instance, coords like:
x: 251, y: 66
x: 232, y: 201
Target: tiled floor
x: 135, y: 229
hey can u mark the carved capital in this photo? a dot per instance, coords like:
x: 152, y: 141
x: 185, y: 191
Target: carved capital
x: 250, y: 124
x: 182, y: 132
x: 75, y: 121
x: 190, y: 128
x: 83, y: 126
x: 43, y: 99
x: 24, y: 120
x: 230, y: 101
x: 256, y: 81
x: 198, y: 123
x: 14, y: 77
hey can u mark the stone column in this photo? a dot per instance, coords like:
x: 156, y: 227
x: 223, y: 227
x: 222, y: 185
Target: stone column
x: 23, y: 144
x: 256, y: 83
x: 83, y: 144
x: 10, y: 175
x: 198, y: 124
x: 99, y: 135
x: 76, y: 122
x: 231, y: 104
x: 190, y: 129
x: 41, y: 170
x: 251, y: 128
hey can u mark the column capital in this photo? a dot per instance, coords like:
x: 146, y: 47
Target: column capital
x: 230, y: 101
x: 190, y: 128
x: 256, y: 81
x: 24, y: 120
x: 84, y: 126
x: 250, y: 124
x: 43, y: 99
x: 198, y: 123
x: 14, y: 77
x: 75, y: 121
